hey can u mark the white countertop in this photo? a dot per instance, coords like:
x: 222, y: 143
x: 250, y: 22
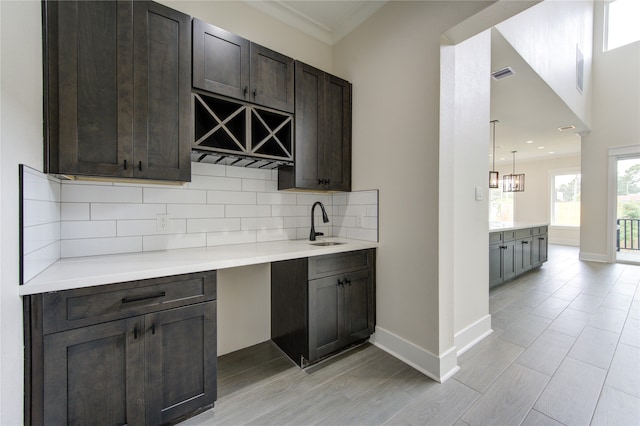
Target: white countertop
x: 512, y: 226
x: 96, y: 270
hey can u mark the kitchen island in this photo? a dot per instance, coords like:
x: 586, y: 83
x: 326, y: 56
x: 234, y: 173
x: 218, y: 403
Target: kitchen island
x: 514, y: 249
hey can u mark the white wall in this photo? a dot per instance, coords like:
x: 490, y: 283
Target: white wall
x: 546, y: 37
x: 471, y: 108
x: 394, y: 61
x: 616, y: 108
x: 20, y: 142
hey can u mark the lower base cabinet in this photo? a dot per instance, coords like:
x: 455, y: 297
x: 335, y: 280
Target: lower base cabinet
x: 512, y: 253
x: 323, y: 304
x: 152, y: 362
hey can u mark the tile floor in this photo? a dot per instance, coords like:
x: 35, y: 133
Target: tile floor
x: 565, y: 350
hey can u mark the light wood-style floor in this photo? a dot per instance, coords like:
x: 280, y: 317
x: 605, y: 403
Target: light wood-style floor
x: 565, y: 350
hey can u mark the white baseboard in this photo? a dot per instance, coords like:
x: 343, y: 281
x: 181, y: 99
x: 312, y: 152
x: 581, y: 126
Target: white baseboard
x: 439, y: 368
x: 594, y: 257
x: 469, y: 336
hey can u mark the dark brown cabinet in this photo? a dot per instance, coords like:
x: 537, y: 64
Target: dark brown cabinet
x: 117, y: 90
x: 323, y: 133
x: 132, y: 353
x: 229, y: 65
x: 322, y: 304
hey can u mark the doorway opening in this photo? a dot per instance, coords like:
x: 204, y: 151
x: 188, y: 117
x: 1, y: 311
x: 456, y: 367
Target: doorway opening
x: 628, y: 209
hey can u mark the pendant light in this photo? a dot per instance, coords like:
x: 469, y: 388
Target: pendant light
x: 513, y: 182
x: 493, y: 174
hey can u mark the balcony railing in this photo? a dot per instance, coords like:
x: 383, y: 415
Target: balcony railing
x: 627, y: 234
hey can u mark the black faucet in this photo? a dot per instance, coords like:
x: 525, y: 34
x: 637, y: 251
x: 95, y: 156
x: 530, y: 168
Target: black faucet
x: 325, y: 219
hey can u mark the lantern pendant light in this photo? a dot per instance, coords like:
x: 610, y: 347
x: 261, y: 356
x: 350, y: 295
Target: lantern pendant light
x: 513, y: 182
x: 493, y: 174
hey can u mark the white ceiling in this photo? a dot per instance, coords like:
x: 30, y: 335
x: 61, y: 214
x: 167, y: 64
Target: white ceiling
x: 526, y: 107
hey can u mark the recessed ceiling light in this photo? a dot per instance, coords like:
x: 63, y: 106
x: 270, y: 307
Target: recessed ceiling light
x: 552, y: 152
x: 541, y: 147
x: 502, y: 158
x: 565, y: 128
x: 529, y: 142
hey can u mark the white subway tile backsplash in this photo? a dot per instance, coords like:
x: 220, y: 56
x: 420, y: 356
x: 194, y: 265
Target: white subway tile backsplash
x: 195, y: 211
x: 36, y: 212
x: 216, y: 182
x: 129, y: 228
x: 100, y: 211
x: 259, y: 185
x: 207, y: 169
x: 38, y: 236
x: 213, y: 225
x: 173, y: 196
x: 264, y: 235
x: 70, y: 230
x: 173, y: 241
x: 75, y: 211
x: 231, y: 197
x: 231, y: 237
x: 72, y: 193
x: 233, y: 210
x: 276, y: 198
x: 255, y: 223
x: 249, y: 173
x: 222, y: 205
x: 37, y: 261
x: 100, y: 246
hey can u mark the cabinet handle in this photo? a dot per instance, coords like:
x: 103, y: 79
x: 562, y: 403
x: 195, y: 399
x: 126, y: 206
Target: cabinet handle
x: 541, y: 238
x: 135, y: 332
x: 140, y: 165
x: 246, y: 89
x: 348, y: 281
x: 153, y: 329
x: 143, y: 297
x: 525, y: 242
x: 340, y: 282
x: 125, y: 164
x: 255, y: 93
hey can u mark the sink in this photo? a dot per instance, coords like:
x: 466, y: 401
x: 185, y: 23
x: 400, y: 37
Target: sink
x: 326, y: 243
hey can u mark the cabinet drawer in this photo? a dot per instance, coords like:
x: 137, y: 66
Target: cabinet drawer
x: 495, y: 237
x: 86, y: 306
x: 324, y: 266
x: 523, y: 233
x: 539, y: 230
x: 508, y: 235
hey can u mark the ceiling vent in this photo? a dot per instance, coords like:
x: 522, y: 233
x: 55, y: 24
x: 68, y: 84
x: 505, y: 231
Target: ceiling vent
x: 503, y: 73
x: 565, y: 128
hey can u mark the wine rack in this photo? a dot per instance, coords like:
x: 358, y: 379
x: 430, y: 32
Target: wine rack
x: 234, y: 133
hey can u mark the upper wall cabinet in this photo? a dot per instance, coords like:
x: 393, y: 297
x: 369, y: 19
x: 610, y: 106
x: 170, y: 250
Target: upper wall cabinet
x: 322, y: 148
x: 117, y: 90
x: 229, y: 65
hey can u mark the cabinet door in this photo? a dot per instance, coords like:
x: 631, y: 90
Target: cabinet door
x: 326, y: 316
x: 181, y: 362
x: 271, y: 78
x: 89, y: 88
x: 523, y: 255
x: 495, y: 264
x: 309, y: 110
x: 539, y: 250
x: 509, y: 260
x: 220, y: 61
x: 359, y: 305
x: 162, y: 108
x: 336, y: 145
x: 93, y: 375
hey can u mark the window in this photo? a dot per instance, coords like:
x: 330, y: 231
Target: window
x: 621, y: 23
x: 565, y: 199
x: 500, y: 206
